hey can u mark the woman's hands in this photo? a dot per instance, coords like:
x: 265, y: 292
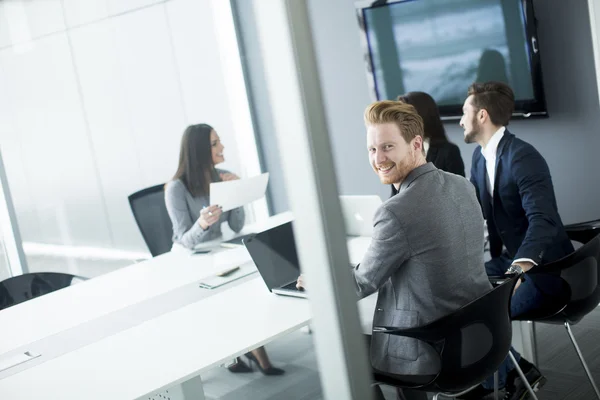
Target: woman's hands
x: 209, y: 215
x: 228, y: 176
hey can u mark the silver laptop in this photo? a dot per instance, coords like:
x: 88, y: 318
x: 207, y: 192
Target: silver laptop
x: 358, y: 214
x: 274, y: 253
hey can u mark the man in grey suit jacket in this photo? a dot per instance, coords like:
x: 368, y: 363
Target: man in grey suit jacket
x: 426, y: 253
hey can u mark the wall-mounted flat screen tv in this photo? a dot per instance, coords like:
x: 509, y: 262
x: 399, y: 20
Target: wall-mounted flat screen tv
x: 442, y: 46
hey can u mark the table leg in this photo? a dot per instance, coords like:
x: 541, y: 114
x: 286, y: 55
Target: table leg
x: 192, y: 389
x: 529, y: 341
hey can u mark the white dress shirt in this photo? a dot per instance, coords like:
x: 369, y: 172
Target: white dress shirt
x: 489, y: 153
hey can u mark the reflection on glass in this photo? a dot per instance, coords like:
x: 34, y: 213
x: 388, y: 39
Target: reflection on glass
x: 441, y: 47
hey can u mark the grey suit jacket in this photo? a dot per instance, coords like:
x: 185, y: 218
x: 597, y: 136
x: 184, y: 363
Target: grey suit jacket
x: 426, y: 259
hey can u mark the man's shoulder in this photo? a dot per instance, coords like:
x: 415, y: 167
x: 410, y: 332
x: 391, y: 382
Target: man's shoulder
x: 517, y: 148
x: 424, y: 190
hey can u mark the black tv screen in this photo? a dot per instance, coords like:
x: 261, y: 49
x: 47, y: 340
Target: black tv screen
x: 442, y: 46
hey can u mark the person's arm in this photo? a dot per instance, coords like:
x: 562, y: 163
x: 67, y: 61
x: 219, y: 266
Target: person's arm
x: 388, y: 250
x: 186, y: 231
x: 236, y: 219
x: 534, y: 182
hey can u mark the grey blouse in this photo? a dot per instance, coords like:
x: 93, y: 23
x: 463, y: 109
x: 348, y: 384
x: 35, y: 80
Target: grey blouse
x: 184, y: 210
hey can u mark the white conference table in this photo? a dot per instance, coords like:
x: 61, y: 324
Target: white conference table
x: 165, y: 351
x: 161, y: 351
x: 157, y: 353
x: 64, y: 309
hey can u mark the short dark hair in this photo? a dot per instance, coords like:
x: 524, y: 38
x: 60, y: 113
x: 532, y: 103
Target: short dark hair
x: 428, y: 110
x: 497, y: 98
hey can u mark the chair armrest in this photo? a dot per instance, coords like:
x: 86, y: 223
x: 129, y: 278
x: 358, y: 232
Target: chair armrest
x: 496, y: 280
x: 431, y: 336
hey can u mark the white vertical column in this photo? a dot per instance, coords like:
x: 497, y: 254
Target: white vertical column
x: 237, y: 96
x: 11, y: 236
x: 299, y: 119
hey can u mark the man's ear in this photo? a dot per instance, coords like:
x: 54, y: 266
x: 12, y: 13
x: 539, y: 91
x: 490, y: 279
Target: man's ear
x: 418, y: 143
x: 482, y: 115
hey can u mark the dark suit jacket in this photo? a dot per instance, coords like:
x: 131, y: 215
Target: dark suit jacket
x: 446, y: 156
x: 523, y: 214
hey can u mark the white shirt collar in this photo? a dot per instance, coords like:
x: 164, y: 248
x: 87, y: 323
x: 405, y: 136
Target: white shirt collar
x: 489, y: 152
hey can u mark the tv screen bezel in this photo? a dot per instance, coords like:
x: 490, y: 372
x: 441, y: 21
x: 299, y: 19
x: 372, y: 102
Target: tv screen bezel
x: 535, y: 107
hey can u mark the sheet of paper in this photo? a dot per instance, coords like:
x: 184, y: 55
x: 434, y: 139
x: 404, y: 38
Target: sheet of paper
x: 233, y: 194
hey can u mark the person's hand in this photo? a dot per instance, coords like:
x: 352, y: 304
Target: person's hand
x: 301, y: 283
x: 209, y: 215
x: 525, y: 266
x: 228, y: 176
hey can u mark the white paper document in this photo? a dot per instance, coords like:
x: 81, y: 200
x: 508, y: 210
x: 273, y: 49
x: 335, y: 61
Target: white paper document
x: 233, y: 194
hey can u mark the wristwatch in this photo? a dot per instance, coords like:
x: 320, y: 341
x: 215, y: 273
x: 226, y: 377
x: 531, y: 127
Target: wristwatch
x: 516, y: 269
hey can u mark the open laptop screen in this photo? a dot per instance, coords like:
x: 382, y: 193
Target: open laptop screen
x: 274, y: 253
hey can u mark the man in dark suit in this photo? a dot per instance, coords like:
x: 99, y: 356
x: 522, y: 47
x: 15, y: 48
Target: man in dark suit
x: 514, y: 187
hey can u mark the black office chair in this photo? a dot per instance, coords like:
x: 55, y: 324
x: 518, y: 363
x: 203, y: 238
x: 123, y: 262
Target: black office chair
x: 150, y: 213
x: 581, y: 295
x: 583, y: 232
x: 471, y: 344
x: 21, y: 288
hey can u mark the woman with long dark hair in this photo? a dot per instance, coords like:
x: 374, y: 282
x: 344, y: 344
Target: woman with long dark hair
x: 187, y: 195
x: 444, y: 154
x: 194, y: 219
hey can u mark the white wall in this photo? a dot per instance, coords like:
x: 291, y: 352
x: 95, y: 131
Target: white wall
x: 93, y: 102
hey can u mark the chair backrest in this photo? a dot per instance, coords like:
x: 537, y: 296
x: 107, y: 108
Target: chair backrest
x: 580, y: 270
x: 478, y: 339
x: 150, y: 213
x: 583, y: 232
x: 472, y: 341
x: 21, y: 288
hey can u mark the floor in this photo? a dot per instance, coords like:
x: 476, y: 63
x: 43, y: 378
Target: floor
x: 295, y: 353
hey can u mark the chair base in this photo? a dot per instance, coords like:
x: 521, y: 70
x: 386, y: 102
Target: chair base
x: 436, y: 396
x: 580, y: 355
x: 453, y: 395
x: 522, y: 375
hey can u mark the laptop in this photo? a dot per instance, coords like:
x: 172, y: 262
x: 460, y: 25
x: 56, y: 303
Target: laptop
x: 358, y: 214
x: 274, y: 253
